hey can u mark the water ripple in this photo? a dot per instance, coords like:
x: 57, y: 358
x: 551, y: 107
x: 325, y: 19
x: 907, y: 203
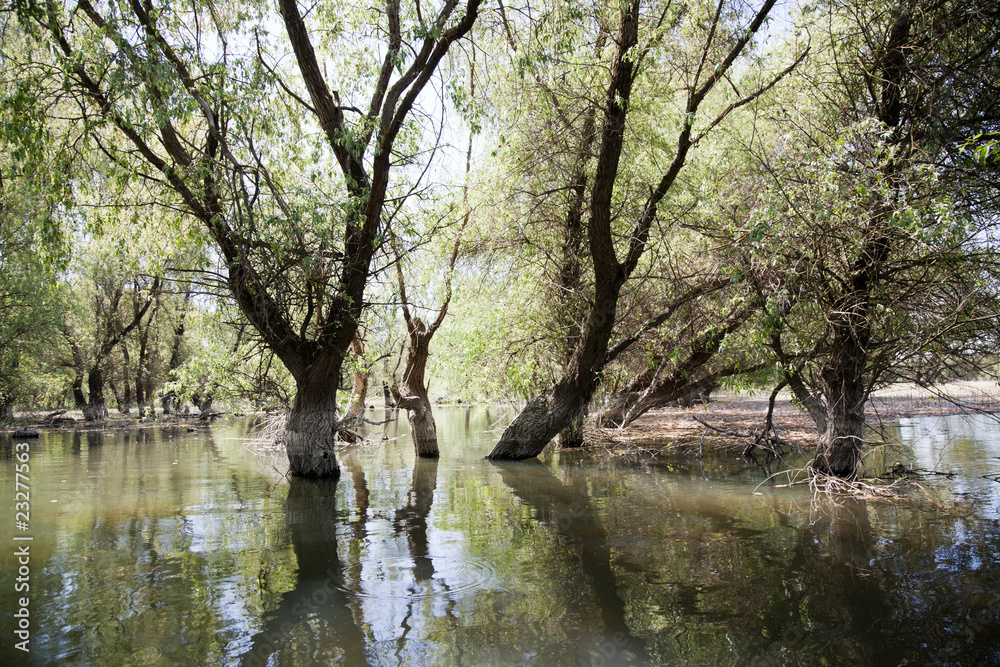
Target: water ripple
x: 414, y: 578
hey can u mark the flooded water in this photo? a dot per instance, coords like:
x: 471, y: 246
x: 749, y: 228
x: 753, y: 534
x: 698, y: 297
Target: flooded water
x: 163, y: 547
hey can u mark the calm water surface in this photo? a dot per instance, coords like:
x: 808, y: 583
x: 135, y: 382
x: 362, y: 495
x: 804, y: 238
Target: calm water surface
x: 163, y: 547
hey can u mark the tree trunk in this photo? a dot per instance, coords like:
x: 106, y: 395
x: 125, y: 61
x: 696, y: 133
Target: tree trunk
x: 121, y: 401
x: 359, y: 391
x: 124, y: 406
x: 125, y: 401
x: 96, y: 408
x: 541, y: 420
x: 570, y: 312
x: 204, y: 404
x: 359, y: 394
x: 838, y: 451
x: 79, y: 399
x: 413, y: 394
x: 143, y: 376
x: 311, y: 430
x: 423, y: 429
x: 169, y: 402
x: 546, y: 415
x: 6, y: 407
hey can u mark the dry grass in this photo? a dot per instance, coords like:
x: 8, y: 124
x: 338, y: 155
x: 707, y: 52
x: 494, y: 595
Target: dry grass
x: 268, y: 433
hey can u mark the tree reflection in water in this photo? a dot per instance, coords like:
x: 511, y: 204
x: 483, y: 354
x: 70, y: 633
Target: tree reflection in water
x: 566, y: 507
x: 318, y: 604
x: 465, y: 562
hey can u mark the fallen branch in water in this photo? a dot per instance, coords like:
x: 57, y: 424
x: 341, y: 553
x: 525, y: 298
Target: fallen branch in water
x: 766, y: 440
x: 50, y: 418
x: 830, y: 485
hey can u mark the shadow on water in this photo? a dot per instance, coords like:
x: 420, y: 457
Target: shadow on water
x: 567, y: 508
x: 411, y: 522
x: 829, y: 564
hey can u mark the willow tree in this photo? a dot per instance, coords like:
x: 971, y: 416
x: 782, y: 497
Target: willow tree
x: 30, y: 297
x: 286, y: 169
x: 35, y: 188
x: 615, y: 234
x: 867, y: 214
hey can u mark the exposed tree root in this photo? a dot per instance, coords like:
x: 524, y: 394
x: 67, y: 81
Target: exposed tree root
x: 900, y: 488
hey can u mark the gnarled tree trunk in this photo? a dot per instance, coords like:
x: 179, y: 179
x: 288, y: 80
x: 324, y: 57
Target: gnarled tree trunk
x: 413, y: 394
x: 539, y: 421
x: 845, y: 390
x: 311, y: 430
